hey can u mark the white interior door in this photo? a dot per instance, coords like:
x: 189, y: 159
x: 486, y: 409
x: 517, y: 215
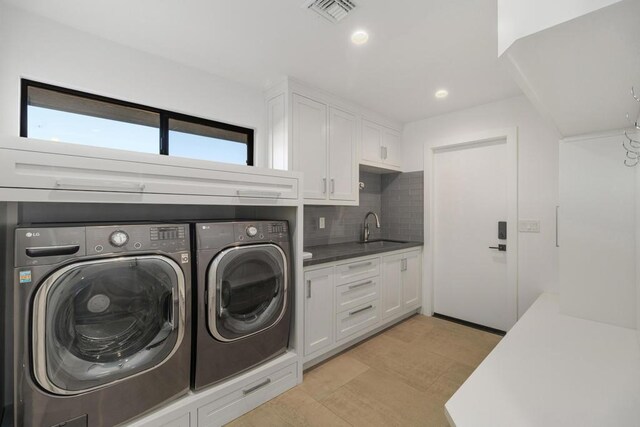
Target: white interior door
x: 472, y: 193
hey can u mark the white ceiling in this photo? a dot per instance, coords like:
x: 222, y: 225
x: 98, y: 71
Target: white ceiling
x: 415, y: 46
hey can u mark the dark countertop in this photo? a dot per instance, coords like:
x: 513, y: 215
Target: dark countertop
x: 339, y: 251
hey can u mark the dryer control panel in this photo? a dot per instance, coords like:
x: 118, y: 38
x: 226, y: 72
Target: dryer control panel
x: 261, y: 230
x: 220, y: 234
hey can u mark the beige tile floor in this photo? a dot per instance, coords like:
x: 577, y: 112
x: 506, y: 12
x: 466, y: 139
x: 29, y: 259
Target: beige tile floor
x: 400, y: 377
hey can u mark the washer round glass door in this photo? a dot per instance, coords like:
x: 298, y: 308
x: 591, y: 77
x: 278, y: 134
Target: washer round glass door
x: 247, y: 290
x: 97, y: 322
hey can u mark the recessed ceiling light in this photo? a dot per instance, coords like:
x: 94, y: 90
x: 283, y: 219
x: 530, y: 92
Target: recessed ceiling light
x: 442, y: 93
x: 359, y: 37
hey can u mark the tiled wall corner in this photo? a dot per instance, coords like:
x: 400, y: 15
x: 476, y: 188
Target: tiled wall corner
x: 403, y: 206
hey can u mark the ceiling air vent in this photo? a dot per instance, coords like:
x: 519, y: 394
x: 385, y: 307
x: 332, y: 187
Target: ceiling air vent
x: 332, y: 10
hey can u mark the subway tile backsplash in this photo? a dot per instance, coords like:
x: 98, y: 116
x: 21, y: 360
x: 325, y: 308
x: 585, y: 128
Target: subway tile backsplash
x: 396, y: 198
x: 403, y: 206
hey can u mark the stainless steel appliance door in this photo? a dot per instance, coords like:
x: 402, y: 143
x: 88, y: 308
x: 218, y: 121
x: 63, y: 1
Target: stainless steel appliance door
x: 101, y: 321
x: 247, y: 290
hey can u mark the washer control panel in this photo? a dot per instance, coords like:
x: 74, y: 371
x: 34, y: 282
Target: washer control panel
x: 252, y: 231
x: 167, y: 233
x: 138, y: 237
x: 118, y: 238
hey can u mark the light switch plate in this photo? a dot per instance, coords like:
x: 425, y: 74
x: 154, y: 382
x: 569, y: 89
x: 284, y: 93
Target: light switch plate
x: 529, y: 226
x: 321, y: 222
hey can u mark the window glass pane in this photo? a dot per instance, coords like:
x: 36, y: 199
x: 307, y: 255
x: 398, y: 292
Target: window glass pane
x: 197, y: 141
x: 61, y: 117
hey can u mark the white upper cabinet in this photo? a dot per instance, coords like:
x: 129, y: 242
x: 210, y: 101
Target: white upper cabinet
x: 310, y: 134
x: 380, y: 147
x: 325, y: 146
x: 371, y: 142
x: 321, y: 135
x: 391, y: 146
x: 35, y: 170
x: 343, y: 163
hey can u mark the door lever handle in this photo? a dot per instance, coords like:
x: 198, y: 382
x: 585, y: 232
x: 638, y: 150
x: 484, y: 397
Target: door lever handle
x: 500, y: 247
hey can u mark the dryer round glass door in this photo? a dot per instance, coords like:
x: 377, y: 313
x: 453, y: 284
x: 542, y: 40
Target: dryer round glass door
x: 96, y: 322
x: 247, y: 290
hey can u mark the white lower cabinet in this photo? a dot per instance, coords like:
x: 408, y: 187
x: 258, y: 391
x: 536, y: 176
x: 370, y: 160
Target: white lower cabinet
x: 182, y: 421
x: 352, y: 295
x: 318, y: 310
x: 402, y: 276
x: 412, y: 280
x: 222, y: 403
x: 246, y: 397
x: 392, y: 290
x: 347, y: 300
x: 358, y: 319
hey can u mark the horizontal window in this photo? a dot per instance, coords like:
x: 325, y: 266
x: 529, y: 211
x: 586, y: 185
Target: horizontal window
x: 58, y: 114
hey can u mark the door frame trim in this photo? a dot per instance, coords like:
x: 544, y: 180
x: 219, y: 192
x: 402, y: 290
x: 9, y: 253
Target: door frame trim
x: 511, y: 137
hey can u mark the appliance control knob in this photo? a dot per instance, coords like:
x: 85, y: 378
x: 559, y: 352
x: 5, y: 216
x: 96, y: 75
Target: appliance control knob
x: 118, y: 238
x: 252, y: 231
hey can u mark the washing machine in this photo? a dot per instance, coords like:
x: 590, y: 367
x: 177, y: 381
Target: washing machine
x: 243, y: 297
x: 101, y: 322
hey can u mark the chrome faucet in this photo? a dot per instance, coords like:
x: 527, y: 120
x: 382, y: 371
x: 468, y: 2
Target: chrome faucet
x: 365, y: 229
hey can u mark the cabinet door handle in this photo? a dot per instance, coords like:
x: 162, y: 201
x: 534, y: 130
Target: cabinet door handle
x: 324, y: 185
x: 557, y: 243
x: 95, y: 184
x: 361, y: 264
x: 259, y: 193
x: 333, y: 185
x: 403, y: 265
x: 308, y: 289
x: 382, y: 152
x: 358, y: 285
x: 256, y: 387
x: 354, y: 312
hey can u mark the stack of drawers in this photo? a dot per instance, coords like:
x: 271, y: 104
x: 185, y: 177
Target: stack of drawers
x: 357, y: 297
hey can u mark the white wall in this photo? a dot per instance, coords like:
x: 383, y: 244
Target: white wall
x: 597, y: 273
x: 537, y: 184
x: 520, y: 18
x: 43, y: 50
x: 637, y: 258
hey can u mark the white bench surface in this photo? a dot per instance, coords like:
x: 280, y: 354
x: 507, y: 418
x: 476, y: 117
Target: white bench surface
x: 554, y: 370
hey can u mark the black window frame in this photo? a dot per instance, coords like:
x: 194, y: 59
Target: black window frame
x: 165, y: 116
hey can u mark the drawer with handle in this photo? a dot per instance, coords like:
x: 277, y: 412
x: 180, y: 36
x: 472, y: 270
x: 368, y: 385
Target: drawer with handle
x: 351, y: 295
x: 357, y: 319
x: 358, y: 270
x: 247, y: 396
